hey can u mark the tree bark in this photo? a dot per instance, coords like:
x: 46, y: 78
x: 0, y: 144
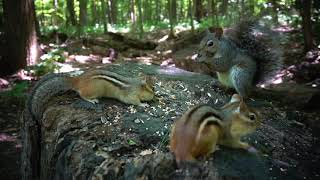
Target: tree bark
x: 191, y: 15
x: 83, y: 12
x: 113, y: 11
x: 55, y: 13
x: 198, y: 13
x: 174, y: 11
x: 104, y: 17
x: 140, y: 22
x: 275, y: 7
x: 21, y: 47
x: 71, y: 13
x: 94, y: 14
x: 37, y: 24
x: 224, y: 7
x: 171, y: 17
x: 158, y: 10
x: 133, y: 16
x: 213, y: 12
x: 305, y: 11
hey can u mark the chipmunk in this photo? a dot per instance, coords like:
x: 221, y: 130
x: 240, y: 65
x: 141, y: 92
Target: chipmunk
x: 90, y: 85
x: 248, y: 55
x: 201, y: 128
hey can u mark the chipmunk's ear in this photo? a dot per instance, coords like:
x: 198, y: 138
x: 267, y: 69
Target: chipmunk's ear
x: 218, y: 31
x: 235, y: 98
x: 149, y: 80
x: 241, y: 108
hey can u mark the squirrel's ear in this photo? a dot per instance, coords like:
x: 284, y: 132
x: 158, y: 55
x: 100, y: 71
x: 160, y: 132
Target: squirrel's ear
x: 217, y: 31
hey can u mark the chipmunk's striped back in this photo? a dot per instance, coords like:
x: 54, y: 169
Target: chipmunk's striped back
x: 188, y: 132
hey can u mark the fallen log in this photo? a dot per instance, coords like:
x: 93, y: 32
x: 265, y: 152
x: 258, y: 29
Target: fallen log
x: 111, y: 140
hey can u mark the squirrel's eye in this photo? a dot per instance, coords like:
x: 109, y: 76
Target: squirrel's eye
x: 210, y: 43
x: 252, y: 116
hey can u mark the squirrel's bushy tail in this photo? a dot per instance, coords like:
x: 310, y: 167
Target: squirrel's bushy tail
x: 48, y: 86
x: 261, y: 43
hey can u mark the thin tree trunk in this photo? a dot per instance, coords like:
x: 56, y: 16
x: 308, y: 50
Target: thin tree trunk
x: 275, y: 7
x: 20, y: 33
x: 213, y: 12
x: 157, y: 14
x: 55, y: 13
x: 198, y: 13
x: 104, y: 15
x: 114, y: 11
x: 71, y: 13
x: 224, y: 7
x: 174, y: 11
x: 181, y: 13
x: 306, y: 24
x: 83, y: 12
x: 171, y: 19
x: 140, y: 19
x: 191, y: 15
x: 133, y: 15
x: 37, y: 25
x: 94, y: 14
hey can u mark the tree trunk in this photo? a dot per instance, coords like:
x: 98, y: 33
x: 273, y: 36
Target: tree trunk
x: 55, y: 13
x: 198, y: 13
x: 213, y: 13
x: 83, y: 12
x: 171, y: 17
x: 37, y: 25
x: 181, y: 13
x: 275, y: 7
x: 147, y: 7
x: 104, y: 15
x: 316, y: 15
x: 114, y: 11
x: 305, y: 11
x: 191, y: 15
x: 158, y: 9
x: 224, y: 7
x: 94, y: 14
x: 71, y: 13
x: 133, y: 15
x: 1, y: 16
x: 140, y: 22
x: 174, y: 11
x: 20, y: 34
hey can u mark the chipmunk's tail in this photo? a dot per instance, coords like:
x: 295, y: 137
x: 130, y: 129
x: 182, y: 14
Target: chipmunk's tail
x: 47, y: 87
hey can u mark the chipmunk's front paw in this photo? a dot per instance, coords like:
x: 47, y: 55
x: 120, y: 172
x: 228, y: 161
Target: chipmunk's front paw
x: 253, y: 150
x: 93, y: 101
x: 144, y: 105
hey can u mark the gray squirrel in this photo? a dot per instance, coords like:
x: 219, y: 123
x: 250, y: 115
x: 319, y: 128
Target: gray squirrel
x: 247, y: 55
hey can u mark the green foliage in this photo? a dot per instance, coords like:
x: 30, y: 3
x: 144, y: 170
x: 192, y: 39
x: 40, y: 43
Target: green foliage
x: 18, y: 90
x: 49, y: 62
x: 150, y: 15
x: 131, y: 142
x: 46, y: 67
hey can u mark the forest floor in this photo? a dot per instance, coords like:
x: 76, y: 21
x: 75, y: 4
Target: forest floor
x: 298, y: 69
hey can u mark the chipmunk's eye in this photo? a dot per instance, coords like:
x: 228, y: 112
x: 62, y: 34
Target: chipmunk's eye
x: 252, y: 116
x: 210, y: 43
